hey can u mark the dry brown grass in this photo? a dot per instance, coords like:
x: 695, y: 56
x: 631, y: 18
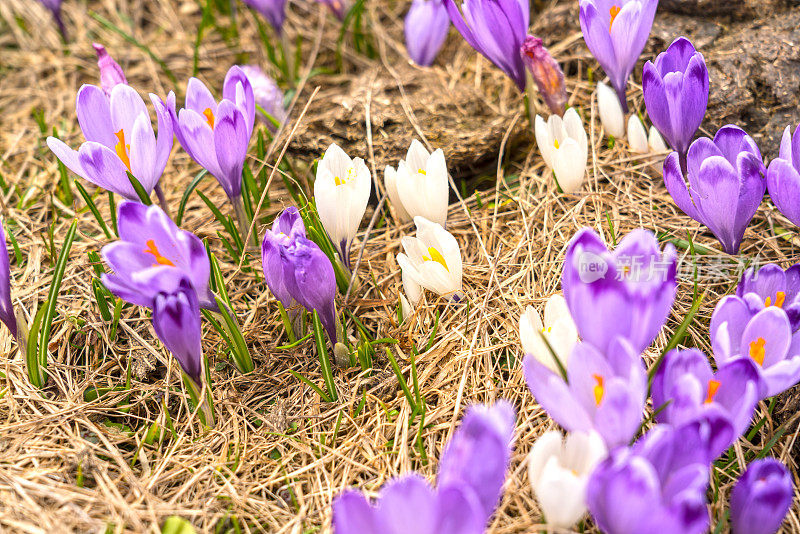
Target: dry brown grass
x: 278, y: 456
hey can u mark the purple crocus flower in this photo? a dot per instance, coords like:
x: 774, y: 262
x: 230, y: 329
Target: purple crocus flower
x: 676, y: 93
x: 272, y: 10
x: 604, y: 392
x: 176, y: 320
x: 111, y: 73
x: 656, y: 486
x: 286, y: 228
x: 337, y: 7
x: 267, y: 95
x: 783, y: 176
x: 152, y: 256
x: 119, y: 140
x: 689, y: 389
x: 761, y: 498
x: 496, y: 29
x: 55, y: 8
x: 546, y: 72
x: 471, y: 475
x: 215, y: 134
x: 775, y: 287
x: 426, y: 26
x: 615, y: 32
x: 634, y: 286
x: 6, y: 308
x: 726, y: 184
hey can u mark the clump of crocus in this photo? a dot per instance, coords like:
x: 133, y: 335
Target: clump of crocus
x: 634, y: 286
x: 615, y: 32
x: 546, y: 73
x: 272, y: 10
x: 725, y: 184
x: 496, y: 29
x: 111, y: 74
x: 341, y: 194
x: 676, y: 93
x: 419, y: 186
x: 774, y: 287
x: 564, y: 148
x: 559, y: 470
x: 7, y: 315
x: 55, y: 8
x: 268, y: 96
x: 472, y: 471
x: 783, y: 176
x: 557, y: 334
x: 432, y: 260
x: 612, y: 117
x: 761, y: 498
x: 426, y: 26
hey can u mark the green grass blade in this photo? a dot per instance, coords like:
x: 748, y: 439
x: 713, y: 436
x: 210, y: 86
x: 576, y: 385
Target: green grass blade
x: 324, y: 357
x: 93, y: 208
x: 140, y: 192
x: 186, y: 194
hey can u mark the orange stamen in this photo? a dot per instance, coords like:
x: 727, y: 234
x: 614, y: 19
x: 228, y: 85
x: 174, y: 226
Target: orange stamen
x: 757, y: 351
x: 614, y: 11
x: 160, y: 260
x: 713, y: 386
x: 209, y: 117
x: 780, y: 297
x: 122, y: 149
x: 598, y: 390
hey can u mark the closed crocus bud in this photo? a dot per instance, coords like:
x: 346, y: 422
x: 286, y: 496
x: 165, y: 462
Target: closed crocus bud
x: 432, y: 259
x: 564, y: 148
x: 55, y: 8
x: 341, y: 193
x: 421, y: 184
x: 286, y: 229
x: 268, y: 95
x: 6, y: 308
x: 557, y: 333
x: 546, y: 72
x: 426, y: 27
x: 559, y: 470
x: 611, y: 114
x: 655, y: 141
x: 783, y: 176
x: 176, y: 320
x: 637, y: 135
x: 761, y: 498
x: 272, y: 10
x: 111, y: 73
x: 390, y: 182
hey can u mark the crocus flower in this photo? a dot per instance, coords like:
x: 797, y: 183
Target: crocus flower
x: 341, y: 193
x: 658, y: 485
x: 286, y: 228
x: 615, y: 32
x: 564, y: 148
x: 153, y: 255
x: 111, y: 73
x: 496, y: 29
x: 119, y: 140
x: 637, y: 136
x: 676, y: 93
x: 471, y: 476
x: 432, y: 260
x: 546, y: 72
x: 634, y: 286
x: 783, y: 176
x: 611, y: 115
x: 761, y: 498
x: 55, y: 8
x: 775, y: 287
x: 267, y: 95
x: 337, y: 7
x: 726, y: 184
x: 215, y: 134
x: 426, y: 26
x: 559, y: 470
x: 419, y: 186
x: 739, y: 329
x: 272, y: 10
x: 605, y: 393
x: 6, y: 308
x: 558, y: 332
x: 176, y: 320
x: 689, y: 389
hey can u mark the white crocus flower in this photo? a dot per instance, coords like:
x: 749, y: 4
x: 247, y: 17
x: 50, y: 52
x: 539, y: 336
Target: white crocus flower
x: 611, y: 114
x: 655, y: 141
x: 559, y: 471
x: 341, y: 191
x: 432, y: 260
x: 419, y: 185
x: 637, y: 135
x: 564, y: 148
x: 558, y: 330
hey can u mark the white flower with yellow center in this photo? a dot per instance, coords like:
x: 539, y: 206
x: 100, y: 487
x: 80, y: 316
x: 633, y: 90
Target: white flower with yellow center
x: 564, y: 148
x: 419, y: 186
x: 432, y: 260
x: 558, y: 331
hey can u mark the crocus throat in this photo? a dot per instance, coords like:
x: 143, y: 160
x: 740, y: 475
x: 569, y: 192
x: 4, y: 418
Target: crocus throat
x: 160, y: 260
x: 598, y: 390
x: 713, y: 386
x: 122, y: 149
x: 209, y: 117
x: 436, y: 256
x: 341, y: 181
x: 780, y: 297
x: 614, y: 11
x: 757, y: 350
x: 555, y: 143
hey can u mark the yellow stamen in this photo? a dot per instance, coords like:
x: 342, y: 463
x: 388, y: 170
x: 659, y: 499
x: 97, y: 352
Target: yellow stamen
x: 598, y: 390
x: 780, y: 297
x: 555, y: 142
x: 614, y: 11
x: 160, y: 260
x: 713, y: 386
x: 209, y: 117
x: 122, y: 149
x: 547, y: 330
x: 436, y: 256
x: 757, y: 351
x: 422, y: 172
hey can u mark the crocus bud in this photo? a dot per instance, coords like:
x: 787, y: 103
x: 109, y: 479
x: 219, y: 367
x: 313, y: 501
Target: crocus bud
x: 611, y: 114
x: 564, y: 148
x: 559, y: 471
x: 426, y: 26
x: 111, y: 73
x: 272, y: 10
x: 783, y: 176
x: 432, y: 259
x: 176, y: 320
x: 288, y: 226
x: 558, y: 333
x: 655, y: 141
x: 6, y: 308
x: 419, y: 187
x: 267, y: 94
x: 55, y: 8
x: 637, y: 136
x: 761, y: 498
x: 546, y: 73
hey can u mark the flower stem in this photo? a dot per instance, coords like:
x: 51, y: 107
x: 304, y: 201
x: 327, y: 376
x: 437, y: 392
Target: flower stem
x: 288, y: 58
x: 162, y: 199
x: 530, y: 94
x: 242, y: 221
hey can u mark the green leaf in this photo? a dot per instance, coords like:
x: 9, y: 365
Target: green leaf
x: 140, y: 192
x: 93, y: 208
x: 186, y: 194
x: 324, y: 357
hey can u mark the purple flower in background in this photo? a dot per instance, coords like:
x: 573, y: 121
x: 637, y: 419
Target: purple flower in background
x: 615, y: 32
x: 111, y: 73
x: 6, y: 308
x: 634, y: 286
x: 761, y: 498
x: 471, y: 475
x: 744, y: 328
x: 783, y: 176
x: 152, y: 256
x: 272, y: 10
x: 426, y: 26
x: 726, y: 184
x: 55, y: 7
x: 496, y: 29
x: 676, y: 93
x: 656, y: 486
x: 337, y: 7
x: 286, y: 228
x: 214, y: 134
x: 546, y: 72
x: 119, y: 139
x: 176, y: 320
x: 604, y: 392
x: 267, y: 95
x: 775, y: 287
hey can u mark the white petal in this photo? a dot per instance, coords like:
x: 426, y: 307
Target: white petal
x: 655, y: 141
x: 573, y: 125
x: 610, y: 111
x: 561, y: 495
x: 406, y: 308
x: 555, y: 308
x: 417, y: 156
x: 570, y: 166
x: 637, y: 136
x: 583, y: 451
x: 411, y: 288
x: 530, y: 325
x: 390, y: 182
x: 544, y: 140
x: 546, y: 446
